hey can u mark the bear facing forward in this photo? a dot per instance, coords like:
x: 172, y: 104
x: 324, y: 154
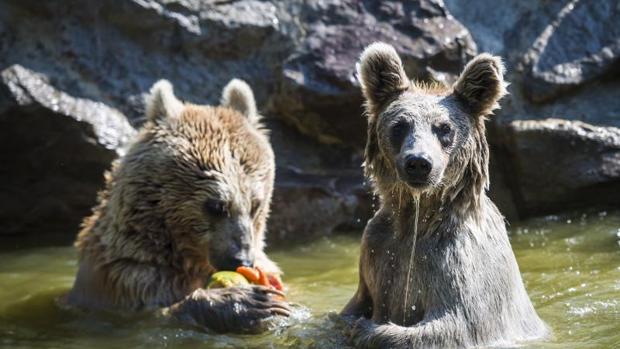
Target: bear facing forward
x: 428, y: 142
x: 190, y: 197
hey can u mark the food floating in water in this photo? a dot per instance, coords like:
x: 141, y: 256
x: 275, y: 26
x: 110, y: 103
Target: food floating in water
x: 244, y: 276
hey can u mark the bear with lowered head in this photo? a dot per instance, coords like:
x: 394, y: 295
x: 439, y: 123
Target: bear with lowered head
x: 190, y: 197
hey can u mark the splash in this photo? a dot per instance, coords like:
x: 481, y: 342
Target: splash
x: 416, y: 199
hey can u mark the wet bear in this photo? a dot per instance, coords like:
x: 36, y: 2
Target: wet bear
x: 190, y: 197
x: 427, y: 143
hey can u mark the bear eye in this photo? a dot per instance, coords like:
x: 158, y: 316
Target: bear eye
x: 216, y: 208
x: 399, y: 129
x: 444, y: 129
x: 445, y: 134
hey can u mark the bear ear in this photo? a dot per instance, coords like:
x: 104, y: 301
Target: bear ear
x: 161, y: 102
x: 481, y: 84
x: 381, y: 74
x: 239, y: 96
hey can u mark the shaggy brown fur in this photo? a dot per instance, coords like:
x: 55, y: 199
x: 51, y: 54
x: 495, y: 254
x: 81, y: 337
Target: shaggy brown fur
x: 429, y: 142
x: 191, y: 196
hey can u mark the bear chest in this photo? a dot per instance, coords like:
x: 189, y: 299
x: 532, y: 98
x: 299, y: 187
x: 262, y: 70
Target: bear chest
x: 399, y: 291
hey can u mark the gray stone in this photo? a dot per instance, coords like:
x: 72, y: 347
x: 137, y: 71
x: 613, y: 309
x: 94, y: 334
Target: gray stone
x: 310, y: 206
x: 579, y: 44
x: 562, y: 58
x: 55, y: 148
x: 319, y: 188
x: 556, y: 164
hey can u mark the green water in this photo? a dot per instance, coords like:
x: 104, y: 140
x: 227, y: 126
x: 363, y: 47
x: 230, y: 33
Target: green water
x: 570, y: 264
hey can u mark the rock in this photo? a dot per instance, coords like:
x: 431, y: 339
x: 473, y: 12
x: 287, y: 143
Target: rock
x: 319, y: 188
x: 489, y: 23
x: 557, y: 164
x: 319, y: 92
x: 562, y: 60
x: 578, y: 45
x: 99, y: 51
x: 309, y: 206
x: 553, y: 48
x: 55, y: 148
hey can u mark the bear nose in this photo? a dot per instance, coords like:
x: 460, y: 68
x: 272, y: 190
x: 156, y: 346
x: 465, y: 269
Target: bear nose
x: 418, y: 166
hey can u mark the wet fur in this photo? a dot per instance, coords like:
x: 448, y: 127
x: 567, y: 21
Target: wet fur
x: 149, y: 244
x: 466, y: 288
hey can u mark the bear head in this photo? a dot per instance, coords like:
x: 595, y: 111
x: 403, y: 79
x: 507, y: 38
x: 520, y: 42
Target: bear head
x: 197, y: 181
x: 427, y: 138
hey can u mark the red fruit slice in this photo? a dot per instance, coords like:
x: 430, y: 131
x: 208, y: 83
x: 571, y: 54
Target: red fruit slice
x: 262, y: 280
x: 258, y: 277
x: 275, y: 282
x: 253, y: 275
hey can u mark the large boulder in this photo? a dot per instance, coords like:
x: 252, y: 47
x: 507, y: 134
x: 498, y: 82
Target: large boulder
x: 55, y: 148
x: 319, y: 188
x: 310, y: 206
x: 563, y: 63
x: 112, y: 51
x: 579, y: 44
x: 557, y: 163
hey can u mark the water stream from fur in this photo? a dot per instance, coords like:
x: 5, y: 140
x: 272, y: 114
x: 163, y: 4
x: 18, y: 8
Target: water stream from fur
x: 416, y: 199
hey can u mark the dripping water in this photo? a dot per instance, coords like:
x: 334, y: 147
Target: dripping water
x: 416, y: 199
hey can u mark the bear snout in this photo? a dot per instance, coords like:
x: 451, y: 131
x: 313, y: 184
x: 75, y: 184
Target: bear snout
x: 416, y: 169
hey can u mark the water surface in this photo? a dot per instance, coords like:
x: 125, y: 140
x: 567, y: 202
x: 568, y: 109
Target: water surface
x: 570, y: 264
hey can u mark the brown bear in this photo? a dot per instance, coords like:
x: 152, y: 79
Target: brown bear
x: 190, y: 197
x: 427, y: 143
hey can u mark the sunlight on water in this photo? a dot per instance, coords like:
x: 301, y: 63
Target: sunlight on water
x: 571, y: 267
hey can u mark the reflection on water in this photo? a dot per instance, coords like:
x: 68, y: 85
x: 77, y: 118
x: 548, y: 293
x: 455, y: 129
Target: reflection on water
x: 570, y: 264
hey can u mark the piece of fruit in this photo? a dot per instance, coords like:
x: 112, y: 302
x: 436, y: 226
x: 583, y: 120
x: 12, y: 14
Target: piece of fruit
x: 223, y: 279
x: 252, y: 274
x: 262, y: 279
x: 259, y: 277
x: 275, y: 282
